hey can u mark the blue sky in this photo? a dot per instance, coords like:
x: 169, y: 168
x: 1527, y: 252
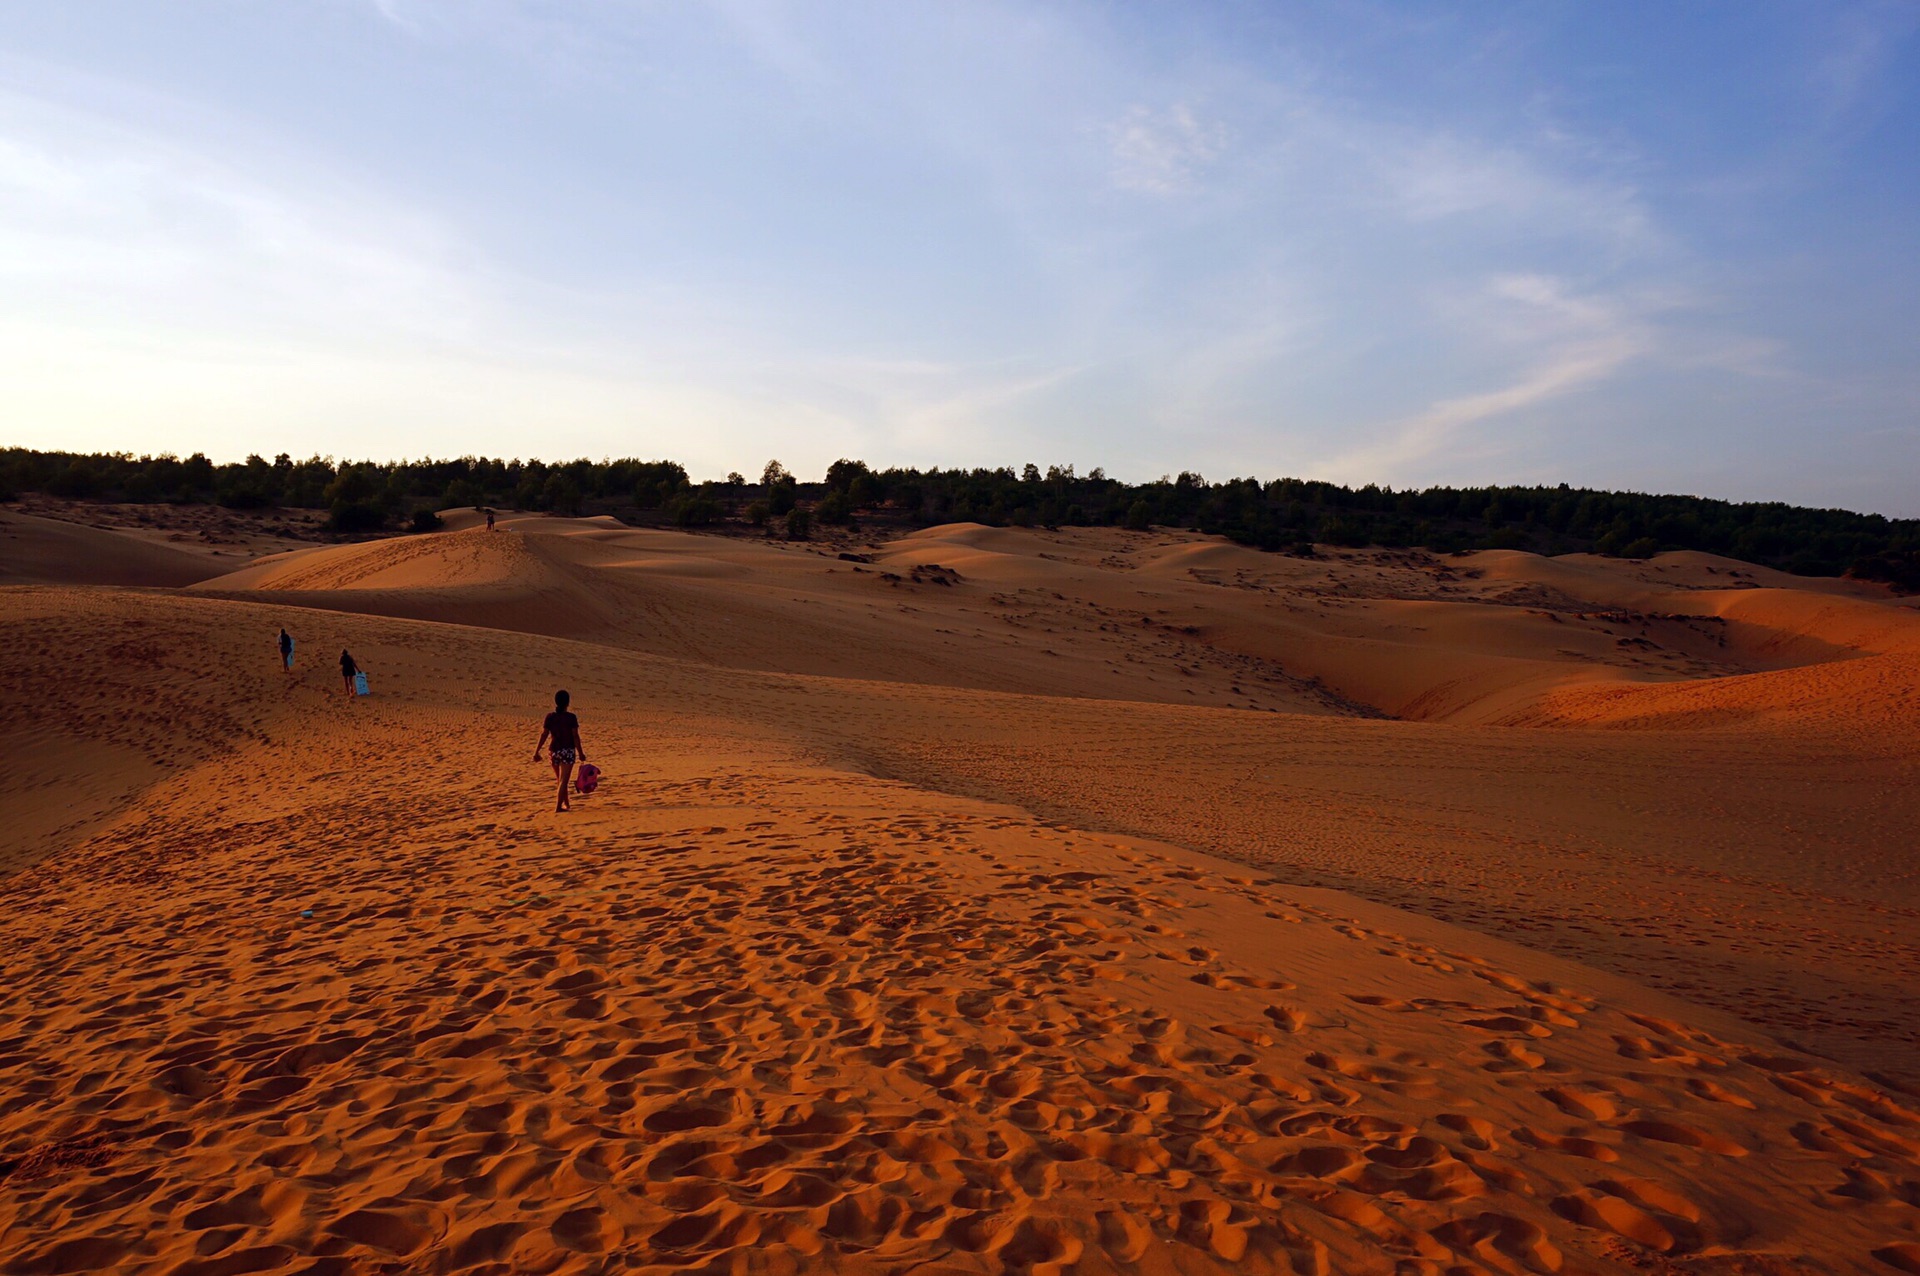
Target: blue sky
x: 1668, y: 246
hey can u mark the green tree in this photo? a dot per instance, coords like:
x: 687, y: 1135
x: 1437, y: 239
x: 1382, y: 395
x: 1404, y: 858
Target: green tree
x: 842, y: 474
x: 562, y: 495
x: 782, y: 495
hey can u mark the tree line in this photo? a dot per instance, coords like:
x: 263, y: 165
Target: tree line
x: 1282, y: 514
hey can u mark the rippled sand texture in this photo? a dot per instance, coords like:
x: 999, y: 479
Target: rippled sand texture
x: 290, y: 981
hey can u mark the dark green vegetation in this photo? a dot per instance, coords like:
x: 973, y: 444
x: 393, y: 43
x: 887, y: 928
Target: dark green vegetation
x: 1282, y: 514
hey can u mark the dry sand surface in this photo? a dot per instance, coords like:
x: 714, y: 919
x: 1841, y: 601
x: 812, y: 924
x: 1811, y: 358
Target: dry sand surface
x: 1006, y: 901
x: 227, y: 537
x: 50, y: 551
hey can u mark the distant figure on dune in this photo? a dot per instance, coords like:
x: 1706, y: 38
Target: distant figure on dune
x: 286, y: 651
x: 348, y: 669
x: 489, y: 520
x: 564, y: 729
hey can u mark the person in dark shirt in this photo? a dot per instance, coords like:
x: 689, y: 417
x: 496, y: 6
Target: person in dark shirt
x: 563, y: 728
x: 348, y: 669
x: 286, y: 651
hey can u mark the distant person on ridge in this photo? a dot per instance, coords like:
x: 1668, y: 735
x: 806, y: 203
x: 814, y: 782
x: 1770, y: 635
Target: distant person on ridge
x: 286, y: 651
x: 489, y: 520
x: 564, y: 729
x: 348, y: 669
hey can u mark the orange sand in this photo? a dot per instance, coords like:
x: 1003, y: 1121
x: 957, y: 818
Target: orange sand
x: 960, y: 920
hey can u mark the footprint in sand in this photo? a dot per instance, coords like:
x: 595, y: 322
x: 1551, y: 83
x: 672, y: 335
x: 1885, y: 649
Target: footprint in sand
x: 1571, y: 1145
x: 1588, y: 1105
x: 1685, y: 1136
x: 1597, y: 1210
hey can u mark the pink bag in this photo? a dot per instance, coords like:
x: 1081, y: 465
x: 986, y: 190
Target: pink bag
x: 587, y: 778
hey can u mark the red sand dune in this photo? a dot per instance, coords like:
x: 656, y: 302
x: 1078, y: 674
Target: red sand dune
x: 949, y: 911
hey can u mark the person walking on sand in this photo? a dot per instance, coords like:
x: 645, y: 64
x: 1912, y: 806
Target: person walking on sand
x: 286, y: 651
x: 348, y: 669
x: 563, y: 728
x: 489, y: 520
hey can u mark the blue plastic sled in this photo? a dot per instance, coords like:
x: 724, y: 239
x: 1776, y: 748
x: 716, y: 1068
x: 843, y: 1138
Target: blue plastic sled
x: 360, y: 685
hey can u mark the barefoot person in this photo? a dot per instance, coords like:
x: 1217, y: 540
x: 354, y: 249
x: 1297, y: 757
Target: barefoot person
x: 564, y: 730
x: 348, y: 669
x: 286, y: 651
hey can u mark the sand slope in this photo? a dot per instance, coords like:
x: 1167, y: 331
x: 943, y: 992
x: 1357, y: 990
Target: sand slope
x: 1168, y: 617
x: 334, y: 995
x: 947, y: 910
x: 46, y: 551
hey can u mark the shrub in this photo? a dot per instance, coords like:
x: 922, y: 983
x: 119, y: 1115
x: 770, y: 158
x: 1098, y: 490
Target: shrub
x: 1343, y: 531
x: 1900, y: 570
x: 1645, y: 547
x: 799, y: 525
x: 835, y: 509
x: 426, y: 519
x: 693, y: 511
x: 356, y: 516
x: 1139, y: 517
x: 758, y: 513
x: 242, y: 496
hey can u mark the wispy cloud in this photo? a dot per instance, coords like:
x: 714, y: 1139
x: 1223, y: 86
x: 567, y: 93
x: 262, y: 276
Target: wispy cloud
x: 928, y: 234
x: 1163, y: 152
x: 1864, y: 41
x: 400, y: 13
x: 94, y: 207
x: 1577, y: 343
x: 1436, y: 174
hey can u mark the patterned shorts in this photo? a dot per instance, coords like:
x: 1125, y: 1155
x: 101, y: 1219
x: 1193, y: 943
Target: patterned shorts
x: 563, y: 755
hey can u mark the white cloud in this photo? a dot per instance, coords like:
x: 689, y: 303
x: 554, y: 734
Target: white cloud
x: 1163, y: 152
x: 1566, y: 343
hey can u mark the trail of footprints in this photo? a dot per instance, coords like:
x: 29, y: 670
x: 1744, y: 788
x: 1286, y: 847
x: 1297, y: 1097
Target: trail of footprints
x: 795, y: 1044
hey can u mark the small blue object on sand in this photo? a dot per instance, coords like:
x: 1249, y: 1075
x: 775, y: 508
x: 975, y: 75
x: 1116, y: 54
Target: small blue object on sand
x: 306, y: 912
